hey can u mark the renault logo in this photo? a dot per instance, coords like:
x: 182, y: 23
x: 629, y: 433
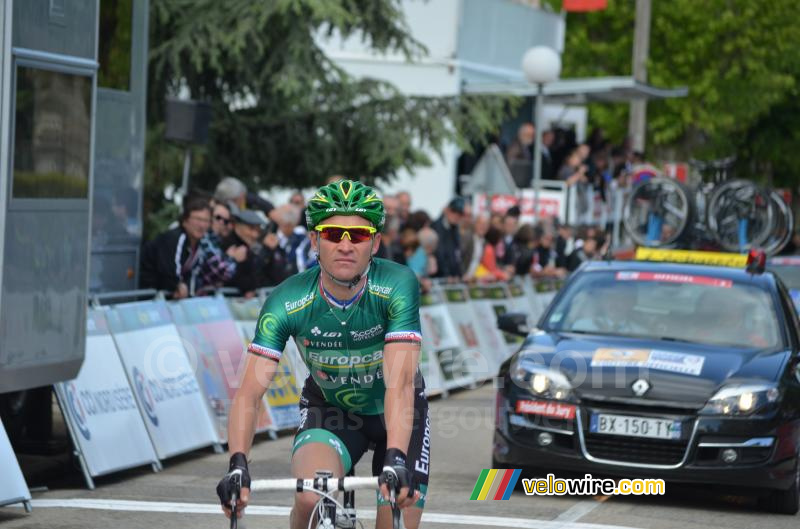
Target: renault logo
x: 640, y: 387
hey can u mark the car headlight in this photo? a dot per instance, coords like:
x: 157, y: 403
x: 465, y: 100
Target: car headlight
x: 541, y: 380
x: 743, y: 399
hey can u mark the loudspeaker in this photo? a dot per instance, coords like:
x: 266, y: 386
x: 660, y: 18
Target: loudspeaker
x: 187, y: 121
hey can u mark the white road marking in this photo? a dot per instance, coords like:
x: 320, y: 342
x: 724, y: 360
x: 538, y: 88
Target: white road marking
x: 261, y: 510
x: 577, y: 511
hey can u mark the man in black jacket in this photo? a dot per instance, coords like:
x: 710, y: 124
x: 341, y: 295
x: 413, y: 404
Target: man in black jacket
x: 448, y: 252
x: 183, y: 261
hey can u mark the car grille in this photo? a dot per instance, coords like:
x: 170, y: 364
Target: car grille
x: 636, y: 450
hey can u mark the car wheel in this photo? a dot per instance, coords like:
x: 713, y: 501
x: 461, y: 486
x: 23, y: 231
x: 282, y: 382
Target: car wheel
x: 785, y: 501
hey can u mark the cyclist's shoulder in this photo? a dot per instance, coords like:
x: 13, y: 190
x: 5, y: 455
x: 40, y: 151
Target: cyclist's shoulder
x: 300, y: 288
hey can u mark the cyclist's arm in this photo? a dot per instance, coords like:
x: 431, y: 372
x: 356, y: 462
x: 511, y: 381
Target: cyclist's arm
x: 400, y: 360
x: 272, y: 332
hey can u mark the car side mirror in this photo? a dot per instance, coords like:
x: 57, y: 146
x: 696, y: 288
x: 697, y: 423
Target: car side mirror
x: 514, y: 323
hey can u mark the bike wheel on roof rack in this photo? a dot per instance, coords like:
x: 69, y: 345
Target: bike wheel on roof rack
x: 658, y: 212
x: 740, y: 215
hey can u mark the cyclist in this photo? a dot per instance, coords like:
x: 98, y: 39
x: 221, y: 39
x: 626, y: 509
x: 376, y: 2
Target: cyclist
x: 355, y: 320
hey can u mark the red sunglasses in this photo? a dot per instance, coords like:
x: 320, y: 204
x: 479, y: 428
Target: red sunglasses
x: 335, y: 233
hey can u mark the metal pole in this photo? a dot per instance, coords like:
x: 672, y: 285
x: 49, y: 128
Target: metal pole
x: 537, y: 153
x: 187, y: 165
x: 641, y: 44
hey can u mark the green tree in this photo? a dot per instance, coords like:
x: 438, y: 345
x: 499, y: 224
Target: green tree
x: 735, y: 56
x: 285, y: 114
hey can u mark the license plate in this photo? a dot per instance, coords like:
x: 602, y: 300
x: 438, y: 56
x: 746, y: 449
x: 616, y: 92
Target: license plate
x: 606, y: 423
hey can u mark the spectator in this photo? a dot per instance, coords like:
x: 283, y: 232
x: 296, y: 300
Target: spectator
x: 299, y: 201
x: 231, y: 189
x: 488, y: 268
x: 429, y: 242
x: 291, y: 239
x: 565, y: 245
x: 404, y: 206
x: 448, y: 251
x: 520, y: 154
x: 183, y: 261
x: 506, y: 250
x: 585, y: 252
x: 418, y: 220
x: 391, y: 205
x: 416, y: 258
x: 265, y: 263
x: 480, y: 229
x: 221, y: 222
x: 522, y: 146
x: 526, y: 243
x: 390, y: 246
x: 544, y: 258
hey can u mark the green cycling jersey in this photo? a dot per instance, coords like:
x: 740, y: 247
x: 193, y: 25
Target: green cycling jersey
x: 342, y: 342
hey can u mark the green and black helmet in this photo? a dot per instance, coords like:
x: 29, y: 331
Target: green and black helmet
x: 345, y: 197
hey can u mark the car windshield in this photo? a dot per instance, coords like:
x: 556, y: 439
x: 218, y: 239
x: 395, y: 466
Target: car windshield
x: 662, y: 306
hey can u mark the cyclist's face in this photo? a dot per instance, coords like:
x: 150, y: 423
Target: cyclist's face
x: 345, y: 259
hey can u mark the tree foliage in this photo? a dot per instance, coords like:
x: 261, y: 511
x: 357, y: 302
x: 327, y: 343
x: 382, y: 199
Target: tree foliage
x: 736, y: 57
x: 284, y: 113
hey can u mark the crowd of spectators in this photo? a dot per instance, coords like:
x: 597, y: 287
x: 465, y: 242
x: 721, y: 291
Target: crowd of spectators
x: 238, y: 240
x: 231, y: 239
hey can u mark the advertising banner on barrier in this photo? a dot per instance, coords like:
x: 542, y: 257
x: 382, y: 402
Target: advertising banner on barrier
x: 485, y: 319
x: 162, y: 375
x: 546, y: 291
x: 13, y: 488
x: 442, y: 347
x: 518, y: 298
x: 458, y: 305
x: 100, y: 408
x: 532, y: 297
x: 499, y: 298
x: 212, y: 319
x: 209, y: 370
x: 283, y: 396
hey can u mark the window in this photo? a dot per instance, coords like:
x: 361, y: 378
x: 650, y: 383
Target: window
x: 682, y: 307
x: 52, y: 134
x: 114, y: 53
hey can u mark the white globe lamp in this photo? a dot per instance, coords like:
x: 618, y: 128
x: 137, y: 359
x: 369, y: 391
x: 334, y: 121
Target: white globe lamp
x: 541, y: 65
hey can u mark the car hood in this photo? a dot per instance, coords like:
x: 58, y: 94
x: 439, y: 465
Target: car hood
x: 605, y: 368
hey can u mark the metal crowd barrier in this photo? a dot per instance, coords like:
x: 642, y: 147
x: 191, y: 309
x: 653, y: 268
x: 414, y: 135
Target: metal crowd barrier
x: 159, y: 376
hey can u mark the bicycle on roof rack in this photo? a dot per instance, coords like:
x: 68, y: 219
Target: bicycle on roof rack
x: 329, y: 512
x: 729, y: 214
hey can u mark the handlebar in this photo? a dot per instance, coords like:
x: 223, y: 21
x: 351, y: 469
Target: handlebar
x: 319, y: 484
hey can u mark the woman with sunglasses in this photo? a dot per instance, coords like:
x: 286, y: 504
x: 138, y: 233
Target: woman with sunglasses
x: 355, y: 320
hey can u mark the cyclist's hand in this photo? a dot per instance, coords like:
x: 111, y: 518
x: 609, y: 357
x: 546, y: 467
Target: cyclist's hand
x: 236, y: 481
x: 396, y: 473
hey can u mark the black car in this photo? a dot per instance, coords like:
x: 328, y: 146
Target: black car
x: 682, y: 372
x: 788, y: 269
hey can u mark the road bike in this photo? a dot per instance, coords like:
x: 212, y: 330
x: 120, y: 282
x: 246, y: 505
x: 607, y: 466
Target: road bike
x: 329, y: 512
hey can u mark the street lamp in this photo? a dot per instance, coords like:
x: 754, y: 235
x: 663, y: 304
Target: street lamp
x: 541, y: 65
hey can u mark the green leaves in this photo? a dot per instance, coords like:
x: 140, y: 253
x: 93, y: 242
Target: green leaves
x: 284, y: 114
x: 736, y: 57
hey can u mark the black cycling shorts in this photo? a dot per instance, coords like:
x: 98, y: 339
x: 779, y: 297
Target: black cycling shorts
x: 352, y: 434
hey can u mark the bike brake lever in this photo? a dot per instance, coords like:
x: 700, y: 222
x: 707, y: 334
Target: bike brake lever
x: 234, y: 516
x: 236, y: 481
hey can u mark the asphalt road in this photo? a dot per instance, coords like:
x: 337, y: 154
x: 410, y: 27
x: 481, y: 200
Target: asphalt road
x: 182, y: 495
